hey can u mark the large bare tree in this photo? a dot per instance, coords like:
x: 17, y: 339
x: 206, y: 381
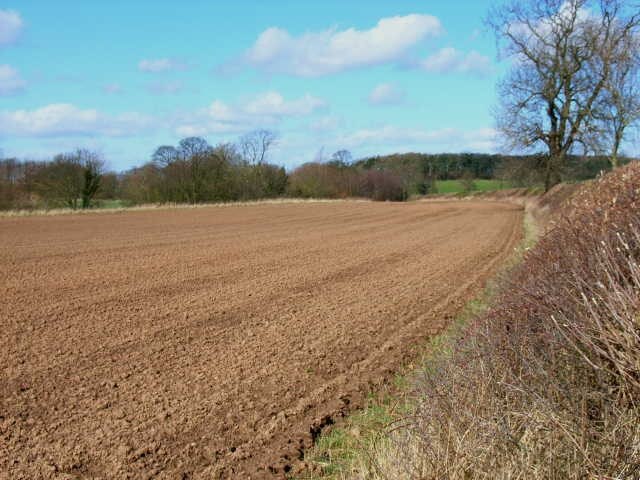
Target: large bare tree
x: 564, y: 54
x: 619, y: 107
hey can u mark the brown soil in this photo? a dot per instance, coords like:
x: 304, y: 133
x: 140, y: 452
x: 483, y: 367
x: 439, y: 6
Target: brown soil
x: 217, y: 342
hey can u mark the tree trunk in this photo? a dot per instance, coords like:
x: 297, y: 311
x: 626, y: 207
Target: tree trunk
x: 614, y: 159
x: 547, y: 175
x: 614, y: 151
x: 552, y: 171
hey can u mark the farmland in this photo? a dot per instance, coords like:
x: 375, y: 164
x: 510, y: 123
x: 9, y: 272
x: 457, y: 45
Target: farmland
x: 479, y: 185
x: 219, y: 341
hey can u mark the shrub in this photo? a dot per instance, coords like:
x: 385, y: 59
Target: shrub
x: 334, y: 180
x: 468, y: 185
x: 314, y: 180
x: 382, y: 185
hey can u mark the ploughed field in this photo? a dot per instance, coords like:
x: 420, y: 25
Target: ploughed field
x: 217, y: 342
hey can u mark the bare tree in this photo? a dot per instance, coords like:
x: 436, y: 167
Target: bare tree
x: 563, y: 53
x: 61, y: 181
x: 619, y: 108
x: 194, y: 152
x: 71, y: 177
x: 342, y: 158
x: 227, y: 152
x: 10, y: 173
x: 144, y: 185
x: 256, y: 144
x: 319, y: 157
x: 164, y: 155
x: 193, y: 147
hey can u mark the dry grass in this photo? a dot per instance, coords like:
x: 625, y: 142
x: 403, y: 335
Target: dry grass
x: 546, y: 385
x: 165, y: 206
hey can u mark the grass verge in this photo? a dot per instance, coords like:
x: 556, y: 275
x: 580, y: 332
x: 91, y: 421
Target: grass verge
x: 118, y: 206
x: 352, y: 447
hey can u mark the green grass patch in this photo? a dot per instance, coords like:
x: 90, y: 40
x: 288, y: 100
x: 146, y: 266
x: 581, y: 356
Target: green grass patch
x: 480, y: 185
x: 110, y: 203
x: 338, y: 452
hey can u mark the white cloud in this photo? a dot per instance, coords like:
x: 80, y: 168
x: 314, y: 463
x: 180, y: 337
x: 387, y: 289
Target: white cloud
x: 390, y: 134
x: 63, y: 119
x: 538, y: 34
x: 263, y: 110
x: 10, y: 26
x: 165, y: 88
x: 449, y: 139
x: 10, y: 81
x: 566, y: 14
x: 326, y: 123
x: 161, y: 65
x: 385, y: 94
x: 273, y: 103
x: 198, y: 130
x: 330, y: 51
x: 450, y: 60
x: 222, y: 112
x: 112, y: 88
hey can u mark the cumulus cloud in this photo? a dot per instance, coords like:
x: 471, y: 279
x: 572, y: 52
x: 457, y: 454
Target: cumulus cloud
x: 262, y: 110
x: 63, y: 119
x: 10, y: 81
x: 160, y: 65
x: 450, y: 60
x: 11, y: 25
x: 385, y: 94
x: 273, y: 103
x: 321, y: 53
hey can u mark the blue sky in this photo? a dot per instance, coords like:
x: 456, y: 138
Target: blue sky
x: 123, y: 77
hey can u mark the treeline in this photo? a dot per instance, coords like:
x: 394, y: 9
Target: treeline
x: 341, y: 178
x: 195, y: 172
x: 399, y: 176
x: 72, y: 180
x: 390, y: 177
x: 420, y: 170
x: 191, y: 172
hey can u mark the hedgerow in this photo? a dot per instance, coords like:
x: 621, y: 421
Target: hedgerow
x: 546, y: 384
